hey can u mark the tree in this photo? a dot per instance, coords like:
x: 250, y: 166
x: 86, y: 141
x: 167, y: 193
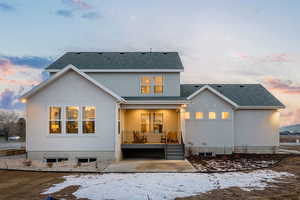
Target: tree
x: 8, y: 120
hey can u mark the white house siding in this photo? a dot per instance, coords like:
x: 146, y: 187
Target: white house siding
x: 256, y: 131
x: 209, y: 135
x: 71, y: 90
x: 128, y: 84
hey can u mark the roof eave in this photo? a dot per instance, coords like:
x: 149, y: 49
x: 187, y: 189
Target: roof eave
x: 121, y: 70
x: 63, y: 71
x: 260, y: 107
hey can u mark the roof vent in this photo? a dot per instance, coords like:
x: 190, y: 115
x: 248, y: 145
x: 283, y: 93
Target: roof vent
x: 242, y: 86
x: 78, y: 53
x: 196, y: 86
x: 122, y: 53
x: 143, y: 53
x: 99, y: 52
x: 219, y: 86
x: 165, y: 53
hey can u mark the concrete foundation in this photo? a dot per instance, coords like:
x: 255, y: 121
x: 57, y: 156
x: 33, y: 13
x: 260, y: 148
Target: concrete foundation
x: 72, y: 156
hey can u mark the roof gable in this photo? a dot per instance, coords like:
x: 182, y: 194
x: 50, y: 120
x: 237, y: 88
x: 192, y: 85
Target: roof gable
x: 116, y: 61
x: 62, y: 73
x: 217, y: 93
x: 244, y: 95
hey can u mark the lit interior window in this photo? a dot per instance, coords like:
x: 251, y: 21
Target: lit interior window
x: 187, y: 115
x: 72, y: 119
x: 88, y: 117
x: 158, y: 84
x: 225, y: 115
x: 55, y: 120
x: 145, y: 85
x: 199, y: 115
x: 212, y: 115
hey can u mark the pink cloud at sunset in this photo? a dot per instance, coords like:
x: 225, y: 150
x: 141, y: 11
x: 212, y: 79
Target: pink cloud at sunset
x: 281, y: 86
x: 272, y: 58
x: 11, y: 74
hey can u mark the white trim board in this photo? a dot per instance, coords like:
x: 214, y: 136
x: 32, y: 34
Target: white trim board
x: 122, y: 70
x: 61, y: 73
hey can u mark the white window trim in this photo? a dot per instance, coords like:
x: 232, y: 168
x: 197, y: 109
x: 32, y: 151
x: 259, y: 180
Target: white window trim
x: 229, y: 118
x: 203, y: 113
x: 163, y: 85
x: 49, y: 120
x: 66, y: 120
x: 82, y: 120
x: 152, y: 84
x: 63, y: 122
x: 217, y: 118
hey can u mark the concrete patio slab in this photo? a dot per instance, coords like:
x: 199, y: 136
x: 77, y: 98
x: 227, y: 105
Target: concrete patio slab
x: 142, y: 166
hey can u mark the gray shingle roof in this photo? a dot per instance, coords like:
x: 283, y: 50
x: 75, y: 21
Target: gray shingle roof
x: 119, y: 60
x: 241, y: 94
x: 158, y: 98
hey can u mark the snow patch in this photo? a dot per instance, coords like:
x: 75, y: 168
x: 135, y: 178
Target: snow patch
x: 162, y: 186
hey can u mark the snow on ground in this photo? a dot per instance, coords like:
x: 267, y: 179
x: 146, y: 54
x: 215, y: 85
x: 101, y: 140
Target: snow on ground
x: 162, y: 186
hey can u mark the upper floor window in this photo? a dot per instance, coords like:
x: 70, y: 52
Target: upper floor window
x: 146, y: 85
x: 88, y: 119
x: 72, y: 115
x: 158, y: 85
x: 155, y: 82
x: 55, y: 120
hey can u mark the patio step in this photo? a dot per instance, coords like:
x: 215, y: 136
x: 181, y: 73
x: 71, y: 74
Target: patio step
x: 174, y: 152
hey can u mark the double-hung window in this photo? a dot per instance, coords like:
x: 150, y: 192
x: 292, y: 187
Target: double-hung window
x: 158, y: 85
x: 55, y: 120
x: 88, y: 119
x: 146, y: 85
x: 72, y: 117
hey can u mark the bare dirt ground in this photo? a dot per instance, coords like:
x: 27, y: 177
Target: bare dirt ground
x: 15, y: 185
x: 288, y: 188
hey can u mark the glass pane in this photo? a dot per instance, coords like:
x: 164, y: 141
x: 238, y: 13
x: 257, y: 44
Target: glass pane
x: 158, y: 80
x: 199, y: 115
x: 212, y: 115
x: 145, y: 89
x: 72, y: 112
x: 89, y: 112
x: 225, y: 115
x: 55, y: 113
x: 158, y: 122
x: 186, y: 115
x: 145, y: 122
x: 158, y: 89
x: 55, y: 127
x: 146, y: 80
x: 88, y: 127
x: 72, y: 126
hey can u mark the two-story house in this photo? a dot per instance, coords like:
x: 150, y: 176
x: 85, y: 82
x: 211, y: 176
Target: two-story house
x: 109, y: 105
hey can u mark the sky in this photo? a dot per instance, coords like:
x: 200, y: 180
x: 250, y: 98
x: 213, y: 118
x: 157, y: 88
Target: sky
x: 219, y: 41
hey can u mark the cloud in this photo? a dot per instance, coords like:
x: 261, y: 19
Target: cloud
x: 6, y: 7
x: 272, y: 58
x: 289, y: 118
x: 9, y: 100
x: 33, y: 61
x: 65, y: 13
x: 91, y: 15
x: 282, y: 86
x: 77, y: 4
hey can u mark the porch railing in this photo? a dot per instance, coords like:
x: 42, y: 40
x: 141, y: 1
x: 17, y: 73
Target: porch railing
x: 137, y: 137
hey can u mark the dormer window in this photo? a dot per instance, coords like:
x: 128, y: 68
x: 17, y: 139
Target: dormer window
x: 146, y: 85
x: 158, y: 85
